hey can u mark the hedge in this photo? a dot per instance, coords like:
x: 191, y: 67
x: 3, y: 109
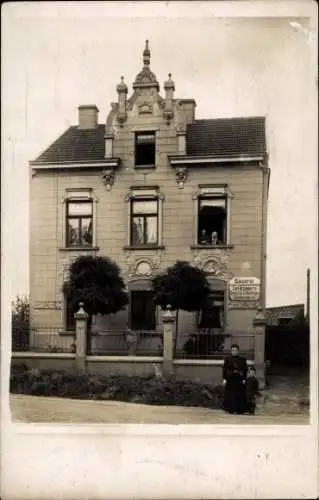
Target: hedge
x: 144, y: 390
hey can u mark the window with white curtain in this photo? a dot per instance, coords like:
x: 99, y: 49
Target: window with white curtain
x: 144, y: 222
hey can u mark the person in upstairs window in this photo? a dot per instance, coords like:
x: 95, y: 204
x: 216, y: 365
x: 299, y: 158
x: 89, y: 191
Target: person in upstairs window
x: 204, y: 238
x: 234, y: 380
x: 252, y: 390
x: 214, y: 238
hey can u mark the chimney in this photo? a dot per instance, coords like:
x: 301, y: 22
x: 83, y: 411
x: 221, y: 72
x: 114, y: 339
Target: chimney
x: 88, y: 117
x: 188, y: 107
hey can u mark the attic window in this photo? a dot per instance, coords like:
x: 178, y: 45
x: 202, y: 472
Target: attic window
x: 145, y: 149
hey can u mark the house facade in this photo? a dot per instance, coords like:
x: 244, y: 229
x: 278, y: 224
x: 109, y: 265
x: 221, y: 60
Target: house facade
x: 149, y: 186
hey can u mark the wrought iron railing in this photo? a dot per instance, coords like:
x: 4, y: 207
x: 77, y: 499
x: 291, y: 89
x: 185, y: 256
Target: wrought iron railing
x: 119, y: 343
x: 206, y: 344
x: 42, y: 339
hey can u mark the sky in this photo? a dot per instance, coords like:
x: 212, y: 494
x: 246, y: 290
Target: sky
x: 59, y: 56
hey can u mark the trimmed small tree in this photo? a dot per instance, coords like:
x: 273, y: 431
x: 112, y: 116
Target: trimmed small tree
x: 97, y: 282
x: 182, y: 286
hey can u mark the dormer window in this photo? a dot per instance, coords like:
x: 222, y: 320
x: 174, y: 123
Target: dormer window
x: 145, y: 149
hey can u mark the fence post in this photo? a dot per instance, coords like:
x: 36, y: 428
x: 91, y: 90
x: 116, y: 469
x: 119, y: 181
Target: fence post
x: 168, y: 321
x: 259, y: 323
x: 81, y: 319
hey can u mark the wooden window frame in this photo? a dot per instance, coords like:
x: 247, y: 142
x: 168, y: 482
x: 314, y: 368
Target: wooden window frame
x: 145, y: 193
x: 80, y: 219
x: 137, y: 134
x: 144, y: 216
x: 78, y: 195
x: 213, y: 191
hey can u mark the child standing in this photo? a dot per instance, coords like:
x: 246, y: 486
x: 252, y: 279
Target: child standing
x: 252, y: 390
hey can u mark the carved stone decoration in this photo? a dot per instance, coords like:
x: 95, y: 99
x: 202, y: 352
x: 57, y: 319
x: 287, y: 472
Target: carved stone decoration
x: 160, y: 101
x: 142, y: 267
x: 108, y: 178
x: 146, y: 76
x: 132, y: 100
x: 168, y: 115
x: 121, y: 118
x: 110, y: 118
x: 145, y: 108
x: 152, y: 96
x: 215, y: 265
x: 181, y: 176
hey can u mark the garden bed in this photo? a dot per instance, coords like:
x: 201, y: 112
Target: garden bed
x: 144, y: 390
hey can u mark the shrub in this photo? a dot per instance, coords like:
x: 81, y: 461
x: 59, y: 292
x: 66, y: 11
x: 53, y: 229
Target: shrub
x: 147, y: 390
x: 20, y: 318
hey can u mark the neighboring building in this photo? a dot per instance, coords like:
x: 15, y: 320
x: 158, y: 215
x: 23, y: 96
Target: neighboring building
x: 283, y: 315
x: 151, y: 186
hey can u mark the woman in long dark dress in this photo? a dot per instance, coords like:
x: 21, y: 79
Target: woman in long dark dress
x: 234, y: 375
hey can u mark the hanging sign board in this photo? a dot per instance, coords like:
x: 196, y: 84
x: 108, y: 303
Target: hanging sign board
x: 244, y: 289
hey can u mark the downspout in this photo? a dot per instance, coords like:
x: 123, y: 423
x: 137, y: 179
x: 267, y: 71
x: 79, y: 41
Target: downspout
x: 264, y: 221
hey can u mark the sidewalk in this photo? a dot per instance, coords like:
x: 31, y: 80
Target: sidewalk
x: 61, y: 410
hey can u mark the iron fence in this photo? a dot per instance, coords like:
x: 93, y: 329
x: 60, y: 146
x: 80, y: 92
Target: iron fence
x: 119, y: 343
x: 43, y: 339
x: 206, y: 344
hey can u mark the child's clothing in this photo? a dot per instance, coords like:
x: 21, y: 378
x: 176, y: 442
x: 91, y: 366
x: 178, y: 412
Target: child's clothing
x: 252, y: 391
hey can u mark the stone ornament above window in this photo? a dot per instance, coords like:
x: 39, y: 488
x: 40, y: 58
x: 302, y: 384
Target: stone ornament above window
x: 181, y: 176
x: 145, y: 267
x: 215, y: 266
x: 108, y: 178
x: 145, y: 108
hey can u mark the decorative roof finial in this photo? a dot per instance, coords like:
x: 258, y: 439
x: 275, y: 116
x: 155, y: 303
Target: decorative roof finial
x: 146, y: 54
x: 169, y: 84
x: 146, y: 78
x: 122, y: 87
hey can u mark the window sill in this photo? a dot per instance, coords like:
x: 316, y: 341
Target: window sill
x: 78, y: 249
x: 70, y: 333
x: 145, y: 167
x: 144, y: 247
x: 196, y: 247
x: 66, y: 333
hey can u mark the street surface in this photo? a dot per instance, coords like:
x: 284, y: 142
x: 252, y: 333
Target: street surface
x: 61, y: 410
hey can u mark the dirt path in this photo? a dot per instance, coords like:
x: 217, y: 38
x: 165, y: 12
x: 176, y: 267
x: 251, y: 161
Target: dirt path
x: 61, y: 410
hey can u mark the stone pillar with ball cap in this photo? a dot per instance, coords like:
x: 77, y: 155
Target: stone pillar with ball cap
x: 81, y: 320
x: 168, y: 321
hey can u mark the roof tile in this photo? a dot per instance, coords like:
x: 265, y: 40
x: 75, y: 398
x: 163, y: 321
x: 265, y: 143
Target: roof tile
x: 226, y: 137
x: 76, y: 145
